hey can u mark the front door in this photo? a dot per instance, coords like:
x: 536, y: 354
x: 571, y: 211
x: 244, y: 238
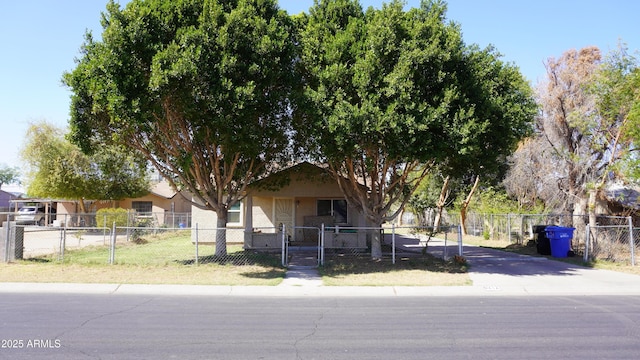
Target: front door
x: 284, y: 214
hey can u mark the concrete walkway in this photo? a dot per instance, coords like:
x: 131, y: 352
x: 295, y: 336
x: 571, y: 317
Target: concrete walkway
x: 303, y: 269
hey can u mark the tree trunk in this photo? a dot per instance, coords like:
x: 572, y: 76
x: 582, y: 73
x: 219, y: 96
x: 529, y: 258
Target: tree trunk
x: 442, y: 200
x: 465, y: 205
x: 376, y: 244
x: 82, y: 220
x: 376, y: 237
x: 221, y: 235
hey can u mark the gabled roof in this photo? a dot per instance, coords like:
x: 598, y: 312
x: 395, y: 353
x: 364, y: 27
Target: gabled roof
x: 282, y: 177
x: 163, y: 189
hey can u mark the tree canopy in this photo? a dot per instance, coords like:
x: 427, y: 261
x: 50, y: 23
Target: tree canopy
x: 8, y: 175
x: 586, y: 134
x: 207, y: 91
x: 201, y: 88
x: 395, y: 92
x: 59, y: 169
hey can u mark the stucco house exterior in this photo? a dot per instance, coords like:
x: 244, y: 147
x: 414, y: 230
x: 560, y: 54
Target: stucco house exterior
x: 302, y: 198
x: 6, y: 198
x: 163, y: 205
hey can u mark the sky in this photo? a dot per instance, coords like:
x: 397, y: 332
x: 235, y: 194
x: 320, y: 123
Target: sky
x: 41, y: 38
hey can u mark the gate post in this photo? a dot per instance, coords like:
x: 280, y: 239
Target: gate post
x: 285, y: 248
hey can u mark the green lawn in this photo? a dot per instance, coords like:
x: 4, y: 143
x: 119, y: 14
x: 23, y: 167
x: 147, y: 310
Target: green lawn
x: 170, y: 259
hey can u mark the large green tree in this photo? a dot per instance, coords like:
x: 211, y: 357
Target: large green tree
x: 8, y: 175
x: 614, y: 128
x: 396, y: 92
x: 200, y: 87
x: 59, y: 169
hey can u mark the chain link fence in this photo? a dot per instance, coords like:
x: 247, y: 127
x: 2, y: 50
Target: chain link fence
x: 163, y: 239
x: 153, y: 239
x: 618, y: 241
x: 396, y: 241
x: 613, y: 239
x: 151, y: 245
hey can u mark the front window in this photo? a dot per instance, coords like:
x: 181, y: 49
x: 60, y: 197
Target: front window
x: 333, y: 207
x: 142, y: 207
x: 233, y: 214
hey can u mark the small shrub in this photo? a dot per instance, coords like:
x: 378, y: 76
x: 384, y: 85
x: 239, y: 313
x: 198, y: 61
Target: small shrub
x: 106, y: 217
x: 460, y: 260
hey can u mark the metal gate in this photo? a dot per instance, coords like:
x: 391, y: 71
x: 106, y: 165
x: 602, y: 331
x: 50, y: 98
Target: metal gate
x: 288, y: 249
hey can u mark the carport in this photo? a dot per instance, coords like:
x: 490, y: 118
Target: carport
x: 47, y: 204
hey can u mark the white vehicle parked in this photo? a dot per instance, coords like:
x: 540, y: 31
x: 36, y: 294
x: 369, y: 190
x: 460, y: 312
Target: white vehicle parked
x: 31, y: 215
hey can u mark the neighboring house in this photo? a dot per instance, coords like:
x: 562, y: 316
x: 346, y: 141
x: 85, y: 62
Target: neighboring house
x: 623, y: 200
x: 302, y: 198
x: 6, y: 199
x: 162, y: 205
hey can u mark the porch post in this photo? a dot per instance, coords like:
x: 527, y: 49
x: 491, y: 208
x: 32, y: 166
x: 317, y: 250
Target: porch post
x: 248, y: 222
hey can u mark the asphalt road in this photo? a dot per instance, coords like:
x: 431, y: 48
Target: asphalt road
x: 117, y: 326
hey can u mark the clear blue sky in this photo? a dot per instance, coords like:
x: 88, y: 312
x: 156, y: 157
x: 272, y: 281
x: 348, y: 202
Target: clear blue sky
x: 41, y: 38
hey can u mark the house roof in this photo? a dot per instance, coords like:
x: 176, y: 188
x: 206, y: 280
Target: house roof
x: 163, y: 189
x: 625, y: 195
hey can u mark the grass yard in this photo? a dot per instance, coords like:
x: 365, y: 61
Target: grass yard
x: 170, y: 259
x: 407, y: 271
x: 158, y: 259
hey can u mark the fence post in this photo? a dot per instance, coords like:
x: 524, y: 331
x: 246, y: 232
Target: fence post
x: 444, y: 251
x: 63, y: 242
x: 284, y: 248
x: 460, y: 240
x: 393, y: 243
x: 197, y: 249
x: 321, y: 237
x: 632, y: 241
x: 7, y: 238
x: 587, y: 237
x: 112, y: 248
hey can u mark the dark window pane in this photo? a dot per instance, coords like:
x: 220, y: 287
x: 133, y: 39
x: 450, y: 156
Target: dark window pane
x: 142, y: 206
x: 340, y: 211
x: 324, y: 207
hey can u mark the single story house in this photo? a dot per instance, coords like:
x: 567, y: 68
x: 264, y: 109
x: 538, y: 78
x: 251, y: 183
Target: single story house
x: 162, y: 206
x: 300, y: 198
x: 6, y: 199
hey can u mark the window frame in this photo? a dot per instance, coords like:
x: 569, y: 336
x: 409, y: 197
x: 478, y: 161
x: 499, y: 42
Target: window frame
x: 231, y: 210
x: 332, y: 211
x: 135, y: 206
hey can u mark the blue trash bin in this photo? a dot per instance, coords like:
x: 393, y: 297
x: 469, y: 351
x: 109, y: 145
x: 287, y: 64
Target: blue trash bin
x: 560, y: 240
